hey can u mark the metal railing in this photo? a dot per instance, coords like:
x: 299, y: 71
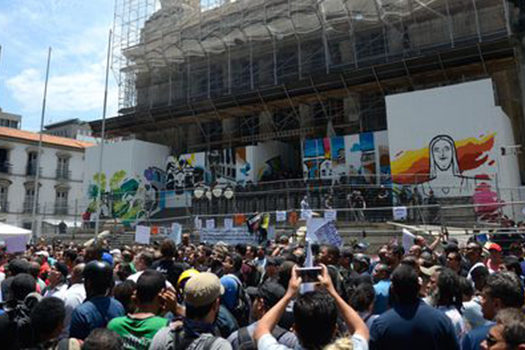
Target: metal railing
x: 27, y: 207
x: 4, y: 206
x: 31, y: 169
x: 63, y: 174
x: 61, y: 208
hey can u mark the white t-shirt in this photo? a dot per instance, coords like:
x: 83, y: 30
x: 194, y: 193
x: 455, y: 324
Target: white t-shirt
x: 457, y: 320
x: 268, y: 342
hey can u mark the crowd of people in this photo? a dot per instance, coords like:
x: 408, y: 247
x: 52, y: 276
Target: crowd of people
x: 197, y: 296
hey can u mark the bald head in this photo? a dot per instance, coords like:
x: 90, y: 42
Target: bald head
x: 76, y: 273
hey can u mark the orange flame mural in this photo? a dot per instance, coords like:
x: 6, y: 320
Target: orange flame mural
x: 413, y: 166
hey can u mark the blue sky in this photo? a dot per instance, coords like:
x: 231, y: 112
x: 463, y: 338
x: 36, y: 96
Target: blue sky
x: 77, y: 31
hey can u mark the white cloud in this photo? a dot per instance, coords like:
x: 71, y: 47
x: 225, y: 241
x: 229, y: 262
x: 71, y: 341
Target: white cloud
x: 76, y: 92
x: 78, y: 32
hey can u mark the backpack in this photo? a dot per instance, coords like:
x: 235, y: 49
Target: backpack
x: 247, y: 343
x: 20, y: 319
x: 181, y: 342
x: 241, y: 311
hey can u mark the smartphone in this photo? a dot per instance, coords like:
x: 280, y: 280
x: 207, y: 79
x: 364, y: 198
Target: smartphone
x: 309, y: 274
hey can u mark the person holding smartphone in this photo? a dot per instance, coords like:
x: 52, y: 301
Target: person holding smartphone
x: 315, y: 317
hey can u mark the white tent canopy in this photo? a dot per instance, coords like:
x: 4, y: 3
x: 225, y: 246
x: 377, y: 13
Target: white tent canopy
x: 10, y: 231
x: 15, y: 238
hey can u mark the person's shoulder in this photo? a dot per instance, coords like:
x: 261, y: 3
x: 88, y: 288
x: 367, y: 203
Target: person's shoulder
x: 116, y: 305
x: 221, y: 344
x: 359, y: 342
x: 116, y: 322
x: 480, y: 331
x: 163, y: 339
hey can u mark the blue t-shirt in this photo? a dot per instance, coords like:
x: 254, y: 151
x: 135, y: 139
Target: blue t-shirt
x: 415, y: 326
x: 473, y: 339
x: 382, y: 290
x: 94, y: 313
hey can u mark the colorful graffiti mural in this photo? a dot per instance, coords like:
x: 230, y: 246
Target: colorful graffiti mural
x: 126, y: 198
x: 419, y: 166
x: 361, y: 157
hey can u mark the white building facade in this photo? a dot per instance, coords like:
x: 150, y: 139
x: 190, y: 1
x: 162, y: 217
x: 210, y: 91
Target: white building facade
x: 60, y: 179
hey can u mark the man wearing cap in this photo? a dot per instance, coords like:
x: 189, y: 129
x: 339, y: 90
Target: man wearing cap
x: 474, y: 258
x: 494, y: 262
x: 264, y: 298
x: 202, y: 298
x: 57, y: 278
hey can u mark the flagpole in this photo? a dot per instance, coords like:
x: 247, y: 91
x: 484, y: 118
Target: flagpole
x: 39, y: 152
x: 102, y: 139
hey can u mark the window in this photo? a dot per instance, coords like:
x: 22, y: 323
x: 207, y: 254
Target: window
x: 3, y: 199
x: 63, y: 167
x: 61, y: 202
x: 4, y: 164
x: 31, y: 163
x: 29, y: 200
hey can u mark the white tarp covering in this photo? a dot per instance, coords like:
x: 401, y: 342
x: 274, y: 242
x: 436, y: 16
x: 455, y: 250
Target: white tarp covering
x: 10, y: 231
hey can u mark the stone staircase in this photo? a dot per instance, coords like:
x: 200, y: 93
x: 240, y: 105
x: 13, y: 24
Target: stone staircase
x: 457, y: 211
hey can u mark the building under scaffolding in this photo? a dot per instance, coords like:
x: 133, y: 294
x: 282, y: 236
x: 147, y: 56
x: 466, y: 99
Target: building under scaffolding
x: 207, y: 75
x: 216, y: 78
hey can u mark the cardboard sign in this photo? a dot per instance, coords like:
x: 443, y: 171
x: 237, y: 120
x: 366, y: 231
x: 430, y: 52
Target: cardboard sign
x: 280, y: 216
x: 399, y: 213
x: 176, y: 233
x: 142, y: 234
x: 330, y: 215
x: 407, y: 240
x: 210, y: 224
x: 228, y: 223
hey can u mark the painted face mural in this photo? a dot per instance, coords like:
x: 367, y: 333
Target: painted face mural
x: 442, y: 151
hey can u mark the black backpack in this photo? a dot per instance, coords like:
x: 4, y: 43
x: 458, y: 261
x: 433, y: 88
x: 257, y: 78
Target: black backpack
x: 20, y: 319
x: 182, y: 342
x: 247, y: 343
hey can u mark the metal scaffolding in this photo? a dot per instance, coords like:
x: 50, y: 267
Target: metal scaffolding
x: 186, y: 50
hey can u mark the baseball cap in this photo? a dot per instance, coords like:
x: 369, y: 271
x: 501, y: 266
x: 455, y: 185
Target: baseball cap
x: 362, y: 258
x: 115, y: 252
x: 231, y: 286
x: 42, y: 253
x: 429, y: 271
x: 203, y: 289
x: 494, y: 246
x: 107, y: 257
x: 271, y: 292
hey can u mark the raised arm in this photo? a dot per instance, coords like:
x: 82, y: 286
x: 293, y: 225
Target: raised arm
x: 272, y: 317
x: 351, y: 318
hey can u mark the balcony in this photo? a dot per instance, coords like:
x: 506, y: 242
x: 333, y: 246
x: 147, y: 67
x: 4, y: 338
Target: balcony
x: 4, y: 206
x: 63, y: 174
x: 28, y: 207
x: 31, y: 169
x: 61, y: 208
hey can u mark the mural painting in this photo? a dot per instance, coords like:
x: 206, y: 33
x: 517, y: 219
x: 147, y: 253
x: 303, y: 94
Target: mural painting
x: 130, y: 198
x: 359, y: 157
x: 444, y: 165
x: 443, y: 144
x: 126, y: 198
